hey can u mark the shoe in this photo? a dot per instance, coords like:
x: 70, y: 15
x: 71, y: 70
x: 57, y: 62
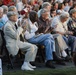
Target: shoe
x: 31, y: 66
x: 60, y: 63
x: 26, y: 67
x: 50, y: 65
x: 67, y: 58
x: 56, y: 58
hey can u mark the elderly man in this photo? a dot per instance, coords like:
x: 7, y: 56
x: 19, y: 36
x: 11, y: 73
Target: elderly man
x: 45, y: 27
x: 45, y: 5
x: 61, y: 28
x: 13, y: 43
x: 72, y: 27
x: 72, y: 21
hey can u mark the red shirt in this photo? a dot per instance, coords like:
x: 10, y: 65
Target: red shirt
x: 8, y: 2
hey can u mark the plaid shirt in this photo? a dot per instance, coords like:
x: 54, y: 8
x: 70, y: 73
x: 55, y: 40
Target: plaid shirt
x: 72, y: 26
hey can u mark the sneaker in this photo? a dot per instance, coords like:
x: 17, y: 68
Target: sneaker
x: 31, y: 66
x: 26, y: 67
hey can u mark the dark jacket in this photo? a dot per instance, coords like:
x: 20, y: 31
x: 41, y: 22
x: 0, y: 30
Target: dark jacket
x: 44, y: 26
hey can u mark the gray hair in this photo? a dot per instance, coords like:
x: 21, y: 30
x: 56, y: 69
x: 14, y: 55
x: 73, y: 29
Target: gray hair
x: 40, y: 1
x: 64, y: 15
x: 5, y: 9
x: 45, y: 4
x: 1, y: 9
x: 11, y: 13
x: 43, y: 11
x: 72, y: 11
x: 11, y: 8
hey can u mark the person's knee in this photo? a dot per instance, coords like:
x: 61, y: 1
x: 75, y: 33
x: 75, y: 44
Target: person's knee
x: 33, y: 48
x: 50, y: 36
x: 47, y: 42
x: 36, y: 48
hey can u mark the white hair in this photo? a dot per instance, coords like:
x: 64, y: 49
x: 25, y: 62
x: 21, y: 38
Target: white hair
x: 11, y: 13
x: 45, y: 4
x: 5, y: 8
x: 64, y: 15
x: 11, y: 8
x: 43, y: 11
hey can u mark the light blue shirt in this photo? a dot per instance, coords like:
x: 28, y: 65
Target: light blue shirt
x: 2, y: 23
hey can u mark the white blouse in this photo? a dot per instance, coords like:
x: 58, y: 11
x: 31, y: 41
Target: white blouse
x: 33, y: 28
x: 61, y: 27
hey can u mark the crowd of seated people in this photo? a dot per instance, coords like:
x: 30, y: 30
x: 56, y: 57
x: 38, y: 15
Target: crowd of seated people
x: 39, y: 22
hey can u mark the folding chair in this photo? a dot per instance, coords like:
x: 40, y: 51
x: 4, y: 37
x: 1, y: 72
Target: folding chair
x: 41, y: 53
x: 11, y: 59
x: 3, y: 48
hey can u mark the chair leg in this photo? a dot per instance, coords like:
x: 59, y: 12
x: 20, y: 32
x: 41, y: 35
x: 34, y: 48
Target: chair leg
x: 41, y: 54
x: 10, y: 62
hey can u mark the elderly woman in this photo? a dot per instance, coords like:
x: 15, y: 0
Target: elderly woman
x: 12, y: 36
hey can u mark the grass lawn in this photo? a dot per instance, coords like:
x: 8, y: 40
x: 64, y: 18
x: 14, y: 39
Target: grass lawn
x: 63, y: 71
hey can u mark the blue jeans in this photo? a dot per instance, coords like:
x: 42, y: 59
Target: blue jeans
x: 48, y: 41
x: 71, y: 42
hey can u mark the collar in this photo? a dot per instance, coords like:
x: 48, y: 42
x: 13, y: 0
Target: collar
x: 41, y: 19
x: 13, y: 23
